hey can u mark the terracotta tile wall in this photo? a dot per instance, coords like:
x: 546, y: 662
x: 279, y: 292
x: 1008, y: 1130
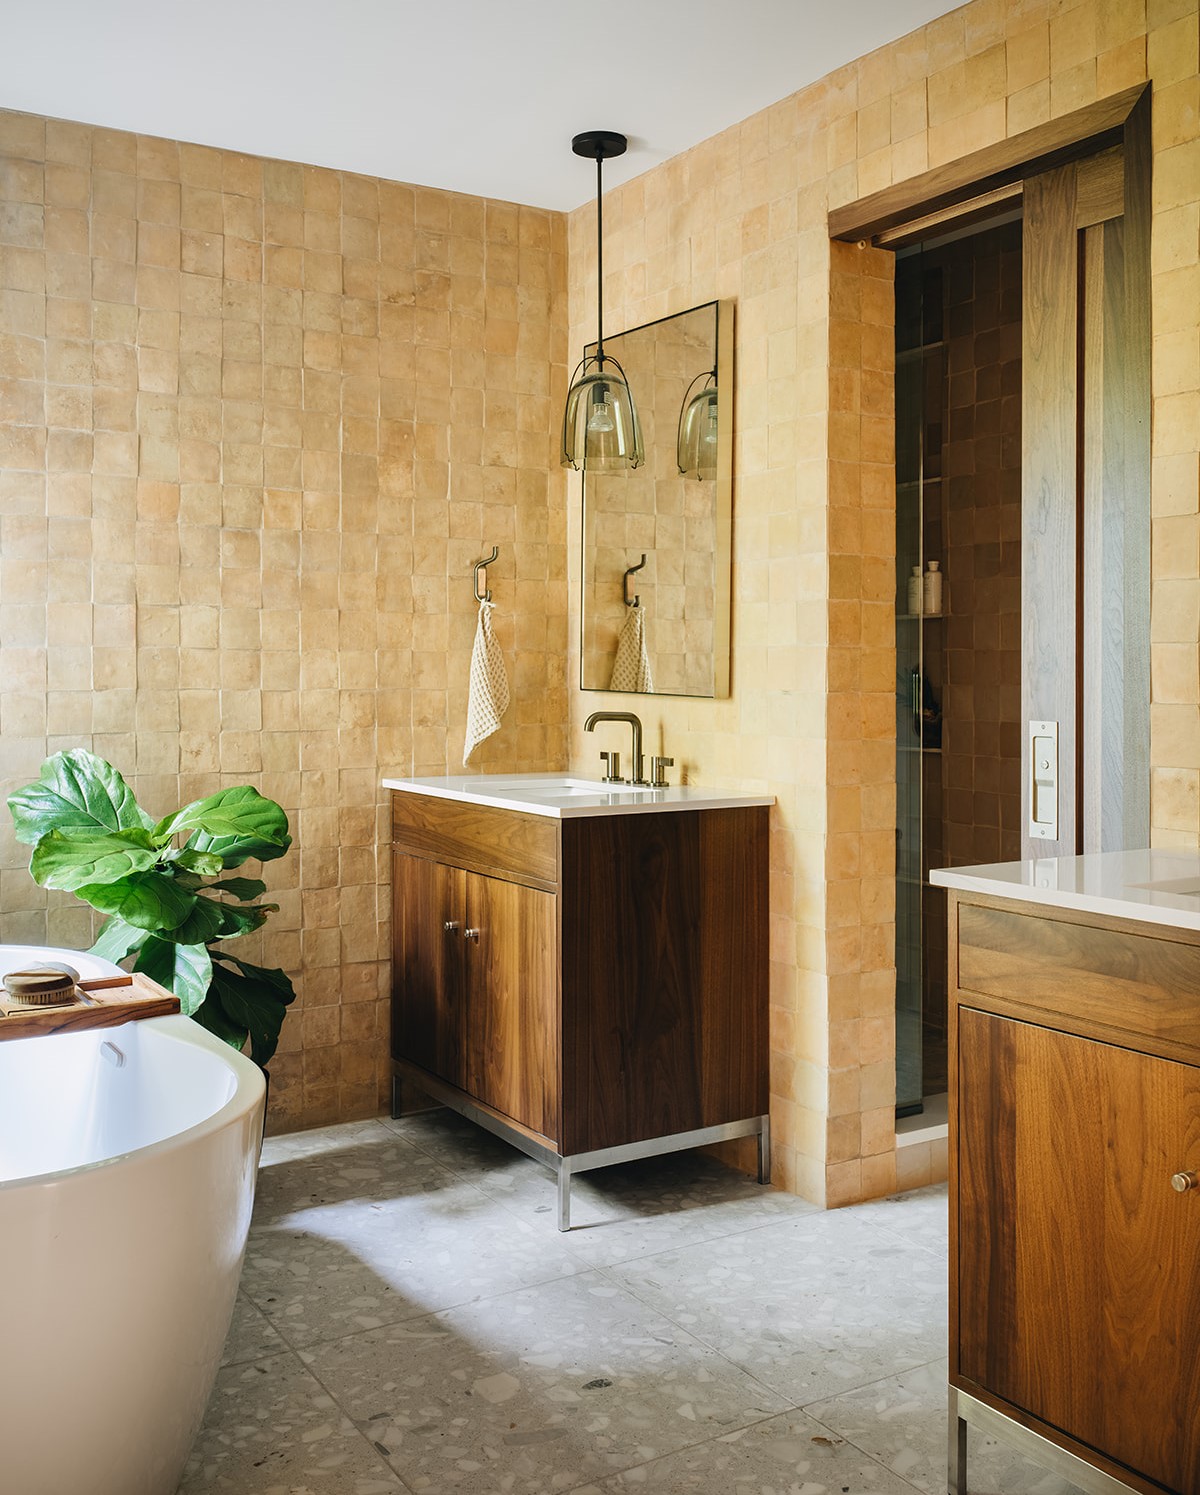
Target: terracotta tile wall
x: 258, y: 418
x: 744, y: 215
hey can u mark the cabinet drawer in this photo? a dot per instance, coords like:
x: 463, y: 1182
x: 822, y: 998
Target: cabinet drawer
x: 1135, y: 985
x: 501, y: 843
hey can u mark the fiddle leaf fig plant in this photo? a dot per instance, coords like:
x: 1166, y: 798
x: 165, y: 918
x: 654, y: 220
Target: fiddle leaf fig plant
x: 162, y: 886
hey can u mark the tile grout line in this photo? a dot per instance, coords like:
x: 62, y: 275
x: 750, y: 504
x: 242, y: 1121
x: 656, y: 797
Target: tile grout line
x: 403, y: 1483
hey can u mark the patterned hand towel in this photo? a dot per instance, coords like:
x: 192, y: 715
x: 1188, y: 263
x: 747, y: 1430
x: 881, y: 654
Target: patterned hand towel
x: 488, y: 699
x: 631, y: 667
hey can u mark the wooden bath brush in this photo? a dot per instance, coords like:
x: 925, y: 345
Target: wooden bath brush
x: 41, y: 986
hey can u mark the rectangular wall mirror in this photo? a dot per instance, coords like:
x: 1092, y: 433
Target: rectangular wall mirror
x: 664, y: 628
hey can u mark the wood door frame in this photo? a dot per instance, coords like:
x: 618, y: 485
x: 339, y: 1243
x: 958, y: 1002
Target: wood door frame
x: 955, y: 194
x: 949, y: 190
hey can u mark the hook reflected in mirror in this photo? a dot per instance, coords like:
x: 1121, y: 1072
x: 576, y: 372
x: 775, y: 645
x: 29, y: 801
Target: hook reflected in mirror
x: 677, y: 517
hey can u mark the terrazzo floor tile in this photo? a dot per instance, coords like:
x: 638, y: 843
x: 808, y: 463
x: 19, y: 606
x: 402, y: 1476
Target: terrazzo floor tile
x: 336, y: 1268
x: 812, y: 1307
x: 537, y: 1391
x: 921, y: 1216
x: 458, y: 1144
x: 374, y: 1166
x: 789, y: 1455
x: 321, y: 1140
x: 271, y: 1429
x: 251, y: 1336
x: 901, y: 1421
x: 617, y: 1213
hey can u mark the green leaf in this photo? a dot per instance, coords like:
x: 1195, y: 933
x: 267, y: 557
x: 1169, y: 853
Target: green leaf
x: 245, y: 888
x: 147, y: 900
x: 209, y: 920
x: 75, y: 790
x: 204, y: 863
x: 211, y: 1015
x: 117, y: 939
x: 234, y: 850
x: 185, y: 970
x: 253, y: 999
x: 71, y: 859
x: 238, y: 814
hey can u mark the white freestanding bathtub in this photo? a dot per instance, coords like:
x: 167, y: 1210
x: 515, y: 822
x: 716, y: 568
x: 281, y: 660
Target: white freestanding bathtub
x: 127, y: 1164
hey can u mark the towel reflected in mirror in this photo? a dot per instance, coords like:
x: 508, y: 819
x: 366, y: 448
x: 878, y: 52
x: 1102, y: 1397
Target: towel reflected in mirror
x: 631, y: 665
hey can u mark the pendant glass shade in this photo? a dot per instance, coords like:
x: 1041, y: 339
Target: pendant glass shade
x: 696, y: 447
x: 601, y: 432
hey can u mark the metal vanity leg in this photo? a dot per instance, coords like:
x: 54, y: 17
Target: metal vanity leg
x: 564, y: 1194
x: 956, y: 1451
x: 764, y: 1151
x: 395, y: 1097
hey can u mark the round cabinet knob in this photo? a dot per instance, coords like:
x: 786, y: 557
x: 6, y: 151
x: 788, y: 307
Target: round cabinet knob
x: 450, y: 925
x: 1182, y: 1182
x: 471, y: 934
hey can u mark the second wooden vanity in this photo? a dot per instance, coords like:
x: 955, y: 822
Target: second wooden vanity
x: 1075, y: 1166
x: 588, y: 980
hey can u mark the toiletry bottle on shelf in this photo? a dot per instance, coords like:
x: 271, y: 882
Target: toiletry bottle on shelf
x: 914, y: 592
x: 932, y: 599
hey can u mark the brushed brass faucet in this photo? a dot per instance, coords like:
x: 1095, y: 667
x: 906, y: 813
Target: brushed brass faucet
x: 613, y: 759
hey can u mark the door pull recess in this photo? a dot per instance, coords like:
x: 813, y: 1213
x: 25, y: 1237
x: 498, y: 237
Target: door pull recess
x: 1043, y: 780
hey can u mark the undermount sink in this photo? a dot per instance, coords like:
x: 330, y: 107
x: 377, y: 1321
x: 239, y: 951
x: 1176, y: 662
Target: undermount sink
x: 560, y: 786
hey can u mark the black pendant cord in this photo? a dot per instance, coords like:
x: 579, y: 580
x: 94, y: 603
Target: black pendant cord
x: 599, y: 261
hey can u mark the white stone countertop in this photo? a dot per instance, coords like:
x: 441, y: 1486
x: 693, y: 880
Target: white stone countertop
x: 566, y: 796
x: 1157, y: 887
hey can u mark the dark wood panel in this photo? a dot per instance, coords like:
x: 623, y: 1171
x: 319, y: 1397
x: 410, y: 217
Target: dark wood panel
x: 428, y: 1003
x: 664, y: 929
x: 1100, y: 194
x: 1133, y: 985
x: 1039, y: 149
x: 504, y: 843
x: 513, y: 1045
x: 1049, y: 422
x: 735, y: 883
x: 1149, y: 1416
x: 982, y: 1267
x: 1078, y: 1266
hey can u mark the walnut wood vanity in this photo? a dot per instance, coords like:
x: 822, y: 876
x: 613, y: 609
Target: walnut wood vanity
x: 1075, y: 1167
x: 585, y: 975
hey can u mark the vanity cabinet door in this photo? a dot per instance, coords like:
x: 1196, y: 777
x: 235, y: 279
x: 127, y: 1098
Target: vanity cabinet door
x: 1078, y: 1284
x: 511, y: 963
x: 429, y: 1025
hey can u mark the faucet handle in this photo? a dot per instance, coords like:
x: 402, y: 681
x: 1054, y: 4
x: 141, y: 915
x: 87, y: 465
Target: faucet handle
x: 657, y: 777
x: 612, y: 768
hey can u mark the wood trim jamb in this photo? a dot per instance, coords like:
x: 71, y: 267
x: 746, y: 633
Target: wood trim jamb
x: 1082, y: 132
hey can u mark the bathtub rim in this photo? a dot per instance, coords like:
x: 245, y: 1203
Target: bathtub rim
x: 249, y: 1091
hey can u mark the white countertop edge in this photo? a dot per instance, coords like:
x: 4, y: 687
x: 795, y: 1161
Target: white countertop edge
x: 1104, y: 883
x: 656, y: 801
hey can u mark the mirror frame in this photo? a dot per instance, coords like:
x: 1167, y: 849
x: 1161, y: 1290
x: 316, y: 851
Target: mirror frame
x: 723, y: 316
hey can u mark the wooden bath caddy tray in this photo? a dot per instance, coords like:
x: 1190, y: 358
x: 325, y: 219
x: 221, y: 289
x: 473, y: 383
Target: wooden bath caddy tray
x: 100, y: 1002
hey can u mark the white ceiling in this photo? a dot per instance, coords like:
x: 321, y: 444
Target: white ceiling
x: 478, y: 96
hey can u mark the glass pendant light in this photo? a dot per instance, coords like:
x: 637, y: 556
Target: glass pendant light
x: 696, y: 443
x: 600, y: 432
